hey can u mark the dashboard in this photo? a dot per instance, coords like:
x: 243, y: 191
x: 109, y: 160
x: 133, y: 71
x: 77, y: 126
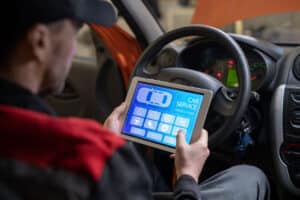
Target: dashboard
x: 275, y: 75
x: 211, y: 58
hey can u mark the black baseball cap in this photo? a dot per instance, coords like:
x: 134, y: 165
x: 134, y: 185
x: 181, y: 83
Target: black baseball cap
x: 29, y: 12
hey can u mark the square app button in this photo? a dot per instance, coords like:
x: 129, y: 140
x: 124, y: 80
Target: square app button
x: 164, y: 128
x: 150, y: 124
x: 154, y: 136
x: 136, y: 121
x: 137, y: 131
x: 141, y: 112
x: 170, y: 140
x: 167, y: 118
x: 155, y: 115
x: 183, y: 122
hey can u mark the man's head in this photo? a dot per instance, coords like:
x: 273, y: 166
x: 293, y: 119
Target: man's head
x: 39, y: 39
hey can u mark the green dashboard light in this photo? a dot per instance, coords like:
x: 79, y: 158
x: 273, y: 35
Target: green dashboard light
x: 232, y: 79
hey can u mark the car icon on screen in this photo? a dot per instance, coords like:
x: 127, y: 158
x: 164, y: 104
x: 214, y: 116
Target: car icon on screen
x: 154, y: 97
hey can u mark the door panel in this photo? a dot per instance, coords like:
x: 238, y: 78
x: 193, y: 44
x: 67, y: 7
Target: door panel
x: 93, y: 88
x: 79, y: 94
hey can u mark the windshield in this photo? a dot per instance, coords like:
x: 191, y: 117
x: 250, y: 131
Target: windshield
x: 277, y: 28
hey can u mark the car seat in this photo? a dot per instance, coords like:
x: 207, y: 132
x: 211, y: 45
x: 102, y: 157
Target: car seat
x: 117, y: 52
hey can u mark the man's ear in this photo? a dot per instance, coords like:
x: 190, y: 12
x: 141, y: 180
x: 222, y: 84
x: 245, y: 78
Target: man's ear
x: 39, y: 41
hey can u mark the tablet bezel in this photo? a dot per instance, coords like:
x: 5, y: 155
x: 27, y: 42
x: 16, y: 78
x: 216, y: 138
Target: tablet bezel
x: 207, y: 97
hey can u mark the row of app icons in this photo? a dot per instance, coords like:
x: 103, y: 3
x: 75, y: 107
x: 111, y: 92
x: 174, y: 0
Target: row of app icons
x: 152, y: 115
x: 155, y: 125
x: 154, y: 136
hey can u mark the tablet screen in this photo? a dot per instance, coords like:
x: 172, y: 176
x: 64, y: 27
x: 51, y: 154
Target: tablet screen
x: 156, y: 113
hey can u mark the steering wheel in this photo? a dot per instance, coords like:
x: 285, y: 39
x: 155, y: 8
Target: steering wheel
x: 231, y: 110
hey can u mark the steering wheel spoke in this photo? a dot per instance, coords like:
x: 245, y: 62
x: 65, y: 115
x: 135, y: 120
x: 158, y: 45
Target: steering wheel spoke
x: 224, y: 104
x: 190, y: 77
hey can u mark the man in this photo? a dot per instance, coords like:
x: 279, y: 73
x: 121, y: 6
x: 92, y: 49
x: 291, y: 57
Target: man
x: 47, y: 157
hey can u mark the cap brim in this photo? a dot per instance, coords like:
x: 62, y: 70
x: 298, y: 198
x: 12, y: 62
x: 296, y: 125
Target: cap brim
x: 97, y: 11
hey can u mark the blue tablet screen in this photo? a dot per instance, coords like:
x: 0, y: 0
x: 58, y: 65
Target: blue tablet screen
x: 157, y: 113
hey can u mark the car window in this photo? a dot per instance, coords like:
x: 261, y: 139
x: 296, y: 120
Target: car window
x: 281, y: 27
x: 85, y: 44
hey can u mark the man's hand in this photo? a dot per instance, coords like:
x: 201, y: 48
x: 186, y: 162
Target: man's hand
x: 190, y: 158
x: 116, y: 119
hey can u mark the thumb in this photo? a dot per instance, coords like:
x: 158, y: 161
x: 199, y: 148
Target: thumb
x: 203, y: 138
x: 180, y: 139
x: 120, y: 109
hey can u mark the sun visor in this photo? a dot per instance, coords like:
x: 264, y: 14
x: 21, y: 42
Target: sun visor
x: 219, y: 13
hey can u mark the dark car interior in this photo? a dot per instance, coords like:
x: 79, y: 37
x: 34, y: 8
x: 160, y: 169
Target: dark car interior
x: 255, y: 115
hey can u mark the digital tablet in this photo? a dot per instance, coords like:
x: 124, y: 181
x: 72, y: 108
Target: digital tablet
x: 157, y: 110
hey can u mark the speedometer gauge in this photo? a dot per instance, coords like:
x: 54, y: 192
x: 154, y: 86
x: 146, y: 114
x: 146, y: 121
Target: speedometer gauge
x: 215, y: 61
x: 257, y: 72
x: 224, y: 70
x: 258, y: 69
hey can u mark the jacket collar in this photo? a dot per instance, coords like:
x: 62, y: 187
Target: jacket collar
x: 12, y: 94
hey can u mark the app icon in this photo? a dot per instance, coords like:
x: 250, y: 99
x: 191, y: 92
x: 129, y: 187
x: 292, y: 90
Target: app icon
x: 183, y: 122
x: 170, y: 140
x: 136, y: 121
x: 154, y: 97
x: 152, y: 114
x: 137, y: 131
x: 150, y: 124
x: 141, y: 112
x: 167, y: 118
x: 164, y: 128
x: 154, y: 136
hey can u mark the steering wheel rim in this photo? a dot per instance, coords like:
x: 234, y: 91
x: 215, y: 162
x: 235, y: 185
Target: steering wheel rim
x: 232, y: 109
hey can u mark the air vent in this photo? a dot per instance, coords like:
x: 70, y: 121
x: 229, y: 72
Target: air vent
x: 295, y: 120
x: 295, y: 97
x: 291, y: 154
x: 292, y: 113
x: 296, y: 68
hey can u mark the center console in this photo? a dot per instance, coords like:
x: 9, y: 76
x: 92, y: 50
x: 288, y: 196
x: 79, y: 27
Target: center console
x: 285, y: 124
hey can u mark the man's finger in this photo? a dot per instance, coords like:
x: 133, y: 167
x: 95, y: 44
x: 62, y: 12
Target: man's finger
x: 172, y: 156
x: 203, y: 137
x: 180, y: 139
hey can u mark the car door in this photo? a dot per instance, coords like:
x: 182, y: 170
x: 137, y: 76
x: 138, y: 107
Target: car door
x: 80, y: 95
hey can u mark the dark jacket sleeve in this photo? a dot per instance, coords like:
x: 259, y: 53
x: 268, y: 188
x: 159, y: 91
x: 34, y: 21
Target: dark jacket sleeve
x: 186, y: 189
x: 126, y: 177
